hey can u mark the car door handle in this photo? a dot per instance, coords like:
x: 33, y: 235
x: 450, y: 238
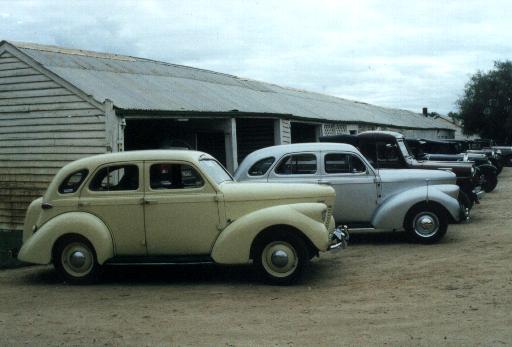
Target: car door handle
x: 324, y: 182
x: 83, y: 204
x: 146, y: 201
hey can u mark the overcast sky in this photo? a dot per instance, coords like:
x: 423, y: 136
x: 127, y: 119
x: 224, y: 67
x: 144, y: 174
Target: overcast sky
x: 403, y: 54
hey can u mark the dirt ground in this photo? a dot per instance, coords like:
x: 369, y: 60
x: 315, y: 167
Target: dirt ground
x: 380, y: 291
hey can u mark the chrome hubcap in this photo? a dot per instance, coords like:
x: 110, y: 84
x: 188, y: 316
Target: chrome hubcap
x: 279, y: 258
x: 77, y: 259
x: 426, y: 224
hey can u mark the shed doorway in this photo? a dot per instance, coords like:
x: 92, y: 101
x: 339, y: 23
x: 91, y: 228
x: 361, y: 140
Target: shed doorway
x: 206, y: 135
x: 304, y: 132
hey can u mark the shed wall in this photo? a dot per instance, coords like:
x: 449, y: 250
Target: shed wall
x: 43, y: 126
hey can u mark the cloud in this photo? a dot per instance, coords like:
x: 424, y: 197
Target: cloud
x: 392, y: 53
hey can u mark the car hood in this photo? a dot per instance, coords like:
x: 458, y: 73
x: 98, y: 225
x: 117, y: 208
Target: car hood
x: 460, y: 168
x: 236, y: 191
x: 243, y: 198
x: 417, y: 175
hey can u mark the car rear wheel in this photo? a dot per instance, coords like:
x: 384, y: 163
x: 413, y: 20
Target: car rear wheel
x: 426, y: 223
x: 74, y: 259
x: 281, y: 257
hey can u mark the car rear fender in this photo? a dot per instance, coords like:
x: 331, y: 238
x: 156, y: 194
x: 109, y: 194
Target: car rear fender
x: 391, y: 213
x: 233, y: 246
x: 38, y: 248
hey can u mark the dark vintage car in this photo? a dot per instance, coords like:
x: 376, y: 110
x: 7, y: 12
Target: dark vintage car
x: 494, y: 155
x: 387, y: 149
x: 423, y: 149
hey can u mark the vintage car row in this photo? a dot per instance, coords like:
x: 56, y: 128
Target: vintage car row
x: 496, y: 156
x: 421, y: 202
x: 388, y: 150
x: 168, y: 207
x: 444, y: 151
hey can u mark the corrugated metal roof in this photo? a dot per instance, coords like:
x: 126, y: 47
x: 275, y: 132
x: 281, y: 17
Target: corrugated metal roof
x: 142, y: 84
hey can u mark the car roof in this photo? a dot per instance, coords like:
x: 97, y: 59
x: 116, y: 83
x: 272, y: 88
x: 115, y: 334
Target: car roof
x: 97, y: 160
x: 302, y: 147
x: 380, y: 134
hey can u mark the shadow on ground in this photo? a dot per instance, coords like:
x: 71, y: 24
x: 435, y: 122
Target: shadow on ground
x: 378, y: 238
x: 158, y: 274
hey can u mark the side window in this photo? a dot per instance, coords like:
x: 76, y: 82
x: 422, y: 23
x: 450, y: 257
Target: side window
x: 356, y: 165
x: 337, y: 163
x: 343, y: 163
x: 116, y: 178
x: 73, y: 182
x: 297, y: 164
x: 174, y: 176
x: 387, y: 151
x: 261, y: 166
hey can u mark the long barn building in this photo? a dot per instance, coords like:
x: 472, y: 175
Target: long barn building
x: 58, y: 105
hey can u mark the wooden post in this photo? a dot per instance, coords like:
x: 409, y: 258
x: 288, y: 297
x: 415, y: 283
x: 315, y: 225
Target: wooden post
x: 231, y: 145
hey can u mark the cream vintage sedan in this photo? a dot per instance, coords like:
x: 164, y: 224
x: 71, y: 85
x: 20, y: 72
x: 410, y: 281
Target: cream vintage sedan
x: 172, y: 207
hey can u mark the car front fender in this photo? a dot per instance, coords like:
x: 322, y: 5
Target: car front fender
x: 233, y: 246
x: 38, y: 248
x: 487, y: 169
x: 391, y: 213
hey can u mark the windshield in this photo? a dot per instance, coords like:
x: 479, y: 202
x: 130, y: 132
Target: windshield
x: 404, y: 149
x: 215, y: 170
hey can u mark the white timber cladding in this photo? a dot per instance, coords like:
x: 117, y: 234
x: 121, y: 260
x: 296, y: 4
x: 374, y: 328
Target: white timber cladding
x: 43, y: 126
x: 286, y: 134
x: 282, y: 132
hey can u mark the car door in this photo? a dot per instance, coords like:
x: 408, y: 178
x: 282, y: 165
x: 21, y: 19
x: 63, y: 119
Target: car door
x: 181, y: 209
x: 355, y: 185
x: 114, y: 193
x: 301, y: 167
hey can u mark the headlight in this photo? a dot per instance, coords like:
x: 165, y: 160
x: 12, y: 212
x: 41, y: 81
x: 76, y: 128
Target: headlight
x: 473, y: 171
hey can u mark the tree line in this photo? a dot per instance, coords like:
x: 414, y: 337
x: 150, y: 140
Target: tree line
x: 485, y: 108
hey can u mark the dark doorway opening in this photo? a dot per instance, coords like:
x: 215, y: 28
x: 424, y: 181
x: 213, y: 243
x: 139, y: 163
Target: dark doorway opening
x: 303, y: 132
x: 253, y: 134
x: 204, y: 135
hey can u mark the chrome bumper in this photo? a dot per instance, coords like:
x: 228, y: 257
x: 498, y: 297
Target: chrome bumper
x: 339, y: 238
x: 479, y: 192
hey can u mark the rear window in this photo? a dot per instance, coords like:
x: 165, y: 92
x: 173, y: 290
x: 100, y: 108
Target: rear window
x: 297, y: 164
x: 73, y: 182
x: 116, y: 178
x: 261, y: 166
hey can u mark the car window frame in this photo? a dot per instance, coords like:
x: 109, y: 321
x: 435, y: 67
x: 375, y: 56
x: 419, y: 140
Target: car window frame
x: 369, y: 171
x: 274, y: 158
x: 272, y: 171
x: 80, y: 186
x: 94, y: 193
x: 207, y: 187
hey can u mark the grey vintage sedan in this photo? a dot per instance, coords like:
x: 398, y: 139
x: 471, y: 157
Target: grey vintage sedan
x: 421, y: 202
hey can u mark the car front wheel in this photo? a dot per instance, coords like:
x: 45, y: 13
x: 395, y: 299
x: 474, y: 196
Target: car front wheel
x: 74, y: 259
x: 426, y: 224
x: 489, y: 182
x: 281, y: 257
